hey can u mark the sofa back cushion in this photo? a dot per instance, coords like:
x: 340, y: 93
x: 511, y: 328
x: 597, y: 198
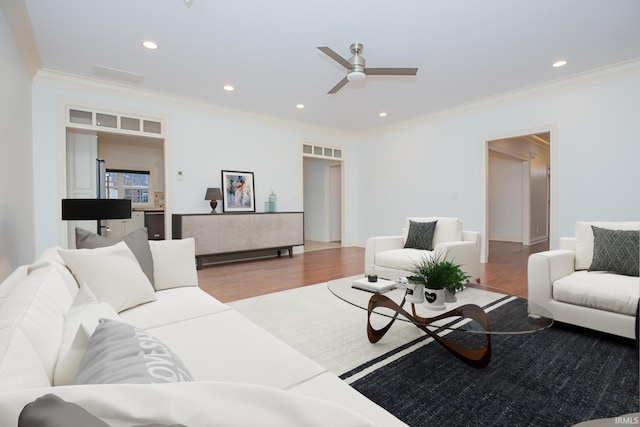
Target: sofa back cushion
x: 585, y: 240
x: 137, y: 241
x: 447, y: 229
x: 174, y: 263
x: 113, y: 274
x: 32, y: 320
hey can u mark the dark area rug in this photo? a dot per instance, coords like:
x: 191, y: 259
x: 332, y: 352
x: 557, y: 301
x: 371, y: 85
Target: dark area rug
x: 556, y: 377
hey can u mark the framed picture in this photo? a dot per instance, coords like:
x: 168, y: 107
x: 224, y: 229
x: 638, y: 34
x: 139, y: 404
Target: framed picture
x: 238, y: 193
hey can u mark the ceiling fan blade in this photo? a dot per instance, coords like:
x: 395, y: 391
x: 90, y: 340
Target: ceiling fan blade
x: 339, y: 86
x: 333, y: 55
x: 391, y: 71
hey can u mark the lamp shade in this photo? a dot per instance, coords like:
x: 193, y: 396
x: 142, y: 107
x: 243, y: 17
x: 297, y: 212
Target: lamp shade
x: 85, y: 209
x: 213, y: 194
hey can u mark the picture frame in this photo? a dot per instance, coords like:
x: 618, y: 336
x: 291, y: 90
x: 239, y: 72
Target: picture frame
x: 238, y: 191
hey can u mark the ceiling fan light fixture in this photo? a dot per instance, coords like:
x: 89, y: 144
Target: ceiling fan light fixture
x: 354, y: 76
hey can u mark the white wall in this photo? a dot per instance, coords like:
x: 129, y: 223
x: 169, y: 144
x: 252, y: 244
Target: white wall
x: 200, y: 141
x: 437, y: 167
x: 17, y: 234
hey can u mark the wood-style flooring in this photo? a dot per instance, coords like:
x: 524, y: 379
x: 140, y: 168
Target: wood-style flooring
x: 505, y: 271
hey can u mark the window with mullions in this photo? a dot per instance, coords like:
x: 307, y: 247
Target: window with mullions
x: 127, y: 184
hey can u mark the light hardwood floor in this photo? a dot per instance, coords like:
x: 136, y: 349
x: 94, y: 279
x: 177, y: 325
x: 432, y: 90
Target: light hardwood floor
x: 505, y: 271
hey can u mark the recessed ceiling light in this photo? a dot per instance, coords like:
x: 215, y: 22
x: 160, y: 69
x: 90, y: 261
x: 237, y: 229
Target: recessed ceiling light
x: 228, y: 88
x: 560, y: 63
x: 383, y: 114
x: 150, y: 45
x: 300, y: 106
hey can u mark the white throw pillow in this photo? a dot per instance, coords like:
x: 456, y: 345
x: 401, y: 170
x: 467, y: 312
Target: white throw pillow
x: 80, y: 322
x: 174, y: 263
x: 112, y: 273
x: 584, y: 239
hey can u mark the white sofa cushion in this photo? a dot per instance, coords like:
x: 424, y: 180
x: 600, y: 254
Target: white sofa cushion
x: 174, y: 263
x: 173, y: 305
x: 447, y: 229
x: 80, y: 322
x: 584, y: 239
x: 137, y: 241
x: 604, y: 291
x: 194, y: 404
x: 20, y: 364
x: 51, y: 257
x: 112, y: 273
x: 36, y: 308
x: 401, y: 259
x: 227, y: 346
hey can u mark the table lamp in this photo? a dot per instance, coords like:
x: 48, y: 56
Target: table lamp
x: 213, y: 194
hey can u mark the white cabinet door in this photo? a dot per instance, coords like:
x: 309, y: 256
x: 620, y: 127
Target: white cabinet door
x: 82, y: 152
x: 121, y: 227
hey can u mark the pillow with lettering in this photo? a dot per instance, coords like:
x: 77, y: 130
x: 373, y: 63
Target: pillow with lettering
x: 119, y: 353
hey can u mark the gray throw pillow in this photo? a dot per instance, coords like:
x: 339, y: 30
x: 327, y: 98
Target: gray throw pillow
x: 616, y: 251
x: 52, y: 411
x: 118, y: 353
x: 137, y: 241
x: 420, y: 235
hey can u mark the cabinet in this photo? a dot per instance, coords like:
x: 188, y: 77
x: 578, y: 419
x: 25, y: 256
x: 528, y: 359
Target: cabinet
x: 240, y: 235
x: 121, y: 227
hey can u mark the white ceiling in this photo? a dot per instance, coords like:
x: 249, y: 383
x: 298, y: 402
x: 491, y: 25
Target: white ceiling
x: 465, y: 50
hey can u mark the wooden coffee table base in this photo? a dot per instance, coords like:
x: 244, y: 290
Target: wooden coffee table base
x: 477, y: 358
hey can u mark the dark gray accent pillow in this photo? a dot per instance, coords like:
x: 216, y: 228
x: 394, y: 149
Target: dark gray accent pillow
x: 421, y: 235
x: 118, y: 353
x: 616, y: 251
x: 52, y: 411
x: 137, y: 241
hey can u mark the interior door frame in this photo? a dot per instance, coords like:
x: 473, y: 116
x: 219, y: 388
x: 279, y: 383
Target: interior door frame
x: 553, y: 191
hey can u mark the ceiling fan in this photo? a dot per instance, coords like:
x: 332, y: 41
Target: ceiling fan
x: 356, y: 67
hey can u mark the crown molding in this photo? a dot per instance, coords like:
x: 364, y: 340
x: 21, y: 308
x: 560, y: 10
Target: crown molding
x: 615, y: 72
x: 15, y: 13
x: 47, y: 77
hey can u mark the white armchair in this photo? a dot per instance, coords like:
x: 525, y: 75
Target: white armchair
x: 560, y: 281
x: 387, y: 256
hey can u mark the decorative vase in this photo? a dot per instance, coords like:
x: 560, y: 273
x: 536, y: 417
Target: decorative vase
x: 434, y: 299
x: 415, y: 294
x: 449, y: 296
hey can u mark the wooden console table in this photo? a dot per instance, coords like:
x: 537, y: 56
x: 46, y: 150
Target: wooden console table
x: 229, y: 236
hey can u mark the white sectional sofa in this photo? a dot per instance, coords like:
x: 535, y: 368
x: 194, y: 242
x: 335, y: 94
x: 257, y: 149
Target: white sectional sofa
x: 195, y: 361
x: 390, y: 257
x: 602, y: 299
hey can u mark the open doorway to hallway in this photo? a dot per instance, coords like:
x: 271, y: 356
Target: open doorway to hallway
x: 518, y: 191
x: 322, y: 203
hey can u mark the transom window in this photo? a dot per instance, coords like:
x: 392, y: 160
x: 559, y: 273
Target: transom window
x: 128, y: 184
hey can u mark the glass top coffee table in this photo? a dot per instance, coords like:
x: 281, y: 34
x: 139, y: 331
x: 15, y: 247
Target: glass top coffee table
x: 477, y: 310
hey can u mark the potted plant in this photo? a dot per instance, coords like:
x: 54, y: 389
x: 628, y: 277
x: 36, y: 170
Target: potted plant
x: 437, y: 275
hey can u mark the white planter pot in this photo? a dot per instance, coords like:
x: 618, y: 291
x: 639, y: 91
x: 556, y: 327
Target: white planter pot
x: 449, y: 296
x: 415, y: 294
x: 434, y: 299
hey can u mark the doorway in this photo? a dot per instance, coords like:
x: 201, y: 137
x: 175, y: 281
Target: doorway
x: 322, y: 203
x: 126, y: 153
x: 518, y: 196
